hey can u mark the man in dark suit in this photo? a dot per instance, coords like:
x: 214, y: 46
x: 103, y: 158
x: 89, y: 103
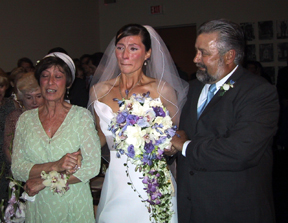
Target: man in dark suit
x: 225, y: 157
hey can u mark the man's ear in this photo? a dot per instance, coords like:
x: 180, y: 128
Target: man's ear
x: 230, y: 56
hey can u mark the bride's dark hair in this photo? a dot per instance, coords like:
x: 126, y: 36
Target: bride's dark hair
x: 134, y: 30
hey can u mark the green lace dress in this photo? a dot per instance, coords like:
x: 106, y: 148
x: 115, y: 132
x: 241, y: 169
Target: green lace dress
x: 33, y: 146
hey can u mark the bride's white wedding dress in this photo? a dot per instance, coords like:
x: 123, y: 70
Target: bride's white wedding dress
x: 119, y: 203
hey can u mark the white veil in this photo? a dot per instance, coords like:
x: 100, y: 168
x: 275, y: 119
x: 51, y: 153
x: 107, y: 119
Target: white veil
x: 160, y: 66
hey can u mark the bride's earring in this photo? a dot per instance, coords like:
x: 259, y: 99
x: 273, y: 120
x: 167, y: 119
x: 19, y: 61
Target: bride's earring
x: 145, y: 62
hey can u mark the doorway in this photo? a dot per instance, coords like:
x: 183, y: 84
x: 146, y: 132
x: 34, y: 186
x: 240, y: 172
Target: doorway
x: 180, y: 40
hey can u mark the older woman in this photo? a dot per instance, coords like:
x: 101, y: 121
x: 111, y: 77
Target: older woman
x: 29, y: 97
x: 14, y: 76
x: 6, y: 106
x: 135, y: 62
x: 49, y: 139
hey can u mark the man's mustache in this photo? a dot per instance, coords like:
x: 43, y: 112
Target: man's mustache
x: 200, y: 65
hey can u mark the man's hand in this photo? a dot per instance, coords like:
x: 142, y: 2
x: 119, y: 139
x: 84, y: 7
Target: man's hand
x: 179, y: 139
x: 171, y: 151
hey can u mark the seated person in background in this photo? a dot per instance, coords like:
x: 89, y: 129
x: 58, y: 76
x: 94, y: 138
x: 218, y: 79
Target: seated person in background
x: 256, y: 68
x: 84, y: 63
x: 94, y: 61
x: 14, y: 76
x: 57, y: 49
x: 77, y: 63
x: 78, y: 94
x: 26, y: 63
x: 7, y: 105
x: 29, y: 97
x: 80, y: 73
x: 84, y: 59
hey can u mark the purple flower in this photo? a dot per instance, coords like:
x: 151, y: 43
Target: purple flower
x: 118, y: 155
x: 131, y: 151
x: 9, y: 212
x: 131, y: 119
x: 147, y: 159
x: 146, y: 95
x: 149, y: 147
x: 142, y: 123
x: 152, y: 172
x: 120, y: 102
x: 113, y: 129
x: 157, y: 202
x: 145, y: 180
x: 140, y: 99
x: 156, y: 126
x: 170, y: 132
x: 160, y: 154
x: 121, y: 117
x: 161, y: 140
x: 152, y: 187
x: 156, y: 195
x: 159, y: 111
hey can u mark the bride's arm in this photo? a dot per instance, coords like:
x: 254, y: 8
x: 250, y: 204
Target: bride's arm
x: 101, y: 89
x: 100, y: 133
x: 169, y: 99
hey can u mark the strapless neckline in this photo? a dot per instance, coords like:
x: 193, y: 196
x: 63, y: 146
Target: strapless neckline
x: 158, y: 98
x: 106, y: 106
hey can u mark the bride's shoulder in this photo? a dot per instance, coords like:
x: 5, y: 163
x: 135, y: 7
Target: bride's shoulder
x: 157, y: 87
x: 102, y: 88
x: 161, y: 85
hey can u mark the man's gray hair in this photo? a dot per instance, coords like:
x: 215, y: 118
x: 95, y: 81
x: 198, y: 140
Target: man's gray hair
x: 230, y: 36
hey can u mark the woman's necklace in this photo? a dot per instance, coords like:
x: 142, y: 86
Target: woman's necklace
x: 128, y: 91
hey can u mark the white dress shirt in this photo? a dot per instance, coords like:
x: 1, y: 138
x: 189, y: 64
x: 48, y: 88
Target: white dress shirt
x: 202, y: 99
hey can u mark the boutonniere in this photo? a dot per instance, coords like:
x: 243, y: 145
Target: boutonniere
x: 225, y: 87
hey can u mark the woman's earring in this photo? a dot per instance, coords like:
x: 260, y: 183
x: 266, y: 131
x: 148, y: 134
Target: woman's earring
x: 67, y: 92
x: 145, y: 62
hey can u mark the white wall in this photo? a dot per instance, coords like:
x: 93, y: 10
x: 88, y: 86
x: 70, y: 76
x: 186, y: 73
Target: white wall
x: 181, y: 12
x: 30, y: 28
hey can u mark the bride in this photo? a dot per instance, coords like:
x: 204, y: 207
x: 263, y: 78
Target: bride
x: 135, y: 62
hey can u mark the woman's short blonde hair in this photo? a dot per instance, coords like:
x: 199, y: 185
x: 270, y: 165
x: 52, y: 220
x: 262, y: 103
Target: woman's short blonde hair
x: 4, y: 79
x: 26, y: 84
x: 15, y: 75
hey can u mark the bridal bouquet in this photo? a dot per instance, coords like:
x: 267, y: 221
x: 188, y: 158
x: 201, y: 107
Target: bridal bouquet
x: 142, y: 129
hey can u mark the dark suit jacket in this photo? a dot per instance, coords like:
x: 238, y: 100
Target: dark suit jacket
x: 226, y: 174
